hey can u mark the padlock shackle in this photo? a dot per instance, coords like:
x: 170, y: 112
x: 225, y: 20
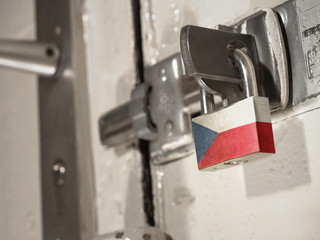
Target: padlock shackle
x: 246, y: 68
x: 240, y: 58
x: 206, y: 101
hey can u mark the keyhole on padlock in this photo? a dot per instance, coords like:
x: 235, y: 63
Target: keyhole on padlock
x: 239, y: 162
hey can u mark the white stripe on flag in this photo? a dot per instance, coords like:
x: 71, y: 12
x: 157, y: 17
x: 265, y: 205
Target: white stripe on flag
x: 249, y: 110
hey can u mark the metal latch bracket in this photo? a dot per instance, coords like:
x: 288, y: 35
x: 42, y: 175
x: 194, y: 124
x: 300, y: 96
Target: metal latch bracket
x: 159, y: 111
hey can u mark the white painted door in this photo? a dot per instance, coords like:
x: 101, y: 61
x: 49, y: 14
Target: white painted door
x: 272, y: 198
x: 109, y: 37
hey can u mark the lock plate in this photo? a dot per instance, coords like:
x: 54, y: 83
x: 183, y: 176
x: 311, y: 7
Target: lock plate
x: 233, y: 135
x: 265, y: 27
x: 204, y: 52
x: 159, y: 111
x: 168, y: 112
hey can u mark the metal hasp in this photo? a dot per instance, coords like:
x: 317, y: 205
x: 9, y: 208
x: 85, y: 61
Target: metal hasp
x: 300, y: 21
x: 265, y: 27
x: 66, y: 171
x: 204, y: 55
x: 159, y: 111
x: 34, y: 57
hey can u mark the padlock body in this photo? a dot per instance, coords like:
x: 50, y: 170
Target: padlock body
x: 233, y: 135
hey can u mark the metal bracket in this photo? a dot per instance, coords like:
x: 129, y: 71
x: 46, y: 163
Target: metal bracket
x: 267, y: 36
x: 171, y: 117
x: 159, y: 112
x: 204, y: 53
x: 265, y: 27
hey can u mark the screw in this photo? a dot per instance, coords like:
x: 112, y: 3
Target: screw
x: 162, y: 74
x: 59, y: 172
x: 146, y: 236
x: 119, y: 234
x: 168, y: 127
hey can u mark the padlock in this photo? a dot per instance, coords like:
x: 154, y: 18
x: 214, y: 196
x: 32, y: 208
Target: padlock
x: 239, y: 132
x: 233, y: 135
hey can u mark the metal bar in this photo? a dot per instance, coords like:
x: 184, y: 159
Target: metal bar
x: 206, y: 101
x: 189, y: 88
x: 33, y: 57
x: 116, y: 126
x: 247, y: 72
x: 67, y: 193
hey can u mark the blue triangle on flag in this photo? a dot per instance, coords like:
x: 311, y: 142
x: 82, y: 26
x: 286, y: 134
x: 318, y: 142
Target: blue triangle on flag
x: 203, y: 138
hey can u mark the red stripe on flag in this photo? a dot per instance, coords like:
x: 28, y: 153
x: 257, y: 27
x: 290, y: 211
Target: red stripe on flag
x: 240, y: 141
